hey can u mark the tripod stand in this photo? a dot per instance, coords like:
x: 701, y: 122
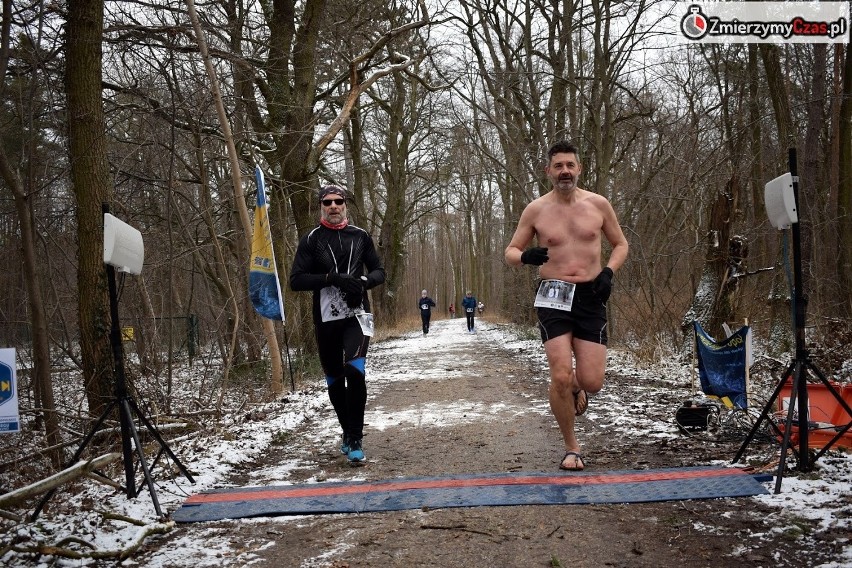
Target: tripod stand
x: 798, y: 369
x: 127, y: 408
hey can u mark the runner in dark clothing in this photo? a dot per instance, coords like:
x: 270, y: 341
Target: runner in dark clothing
x: 330, y: 261
x: 425, y: 304
x: 469, y: 306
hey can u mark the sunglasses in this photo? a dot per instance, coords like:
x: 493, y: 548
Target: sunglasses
x: 328, y: 202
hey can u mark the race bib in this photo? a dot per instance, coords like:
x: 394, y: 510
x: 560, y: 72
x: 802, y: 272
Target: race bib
x: 555, y: 294
x: 469, y: 310
x: 333, y: 306
x: 365, y: 320
x: 424, y: 307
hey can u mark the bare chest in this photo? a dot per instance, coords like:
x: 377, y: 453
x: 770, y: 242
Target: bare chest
x: 577, y: 224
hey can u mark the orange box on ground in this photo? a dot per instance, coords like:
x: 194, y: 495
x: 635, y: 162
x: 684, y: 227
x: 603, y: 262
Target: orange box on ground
x: 823, y: 409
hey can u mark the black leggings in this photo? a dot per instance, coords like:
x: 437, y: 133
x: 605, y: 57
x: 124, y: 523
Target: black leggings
x: 425, y: 315
x: 469, y: 315
x: 342, y: 351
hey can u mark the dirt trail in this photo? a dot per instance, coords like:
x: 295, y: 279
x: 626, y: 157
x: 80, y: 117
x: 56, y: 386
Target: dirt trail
x: 455, y: 403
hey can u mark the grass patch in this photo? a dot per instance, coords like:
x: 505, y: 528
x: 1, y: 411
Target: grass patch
x: 281, y: 438
x: 525, y: 332
x: 404, y: 325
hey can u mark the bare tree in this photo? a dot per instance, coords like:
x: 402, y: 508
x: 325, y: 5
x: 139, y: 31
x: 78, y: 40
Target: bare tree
x: 43, y: 386
x: 38, y: 318
x: 268, y: 328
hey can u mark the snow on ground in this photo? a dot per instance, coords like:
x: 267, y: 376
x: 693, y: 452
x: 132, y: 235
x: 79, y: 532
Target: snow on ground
x: 212, y: 454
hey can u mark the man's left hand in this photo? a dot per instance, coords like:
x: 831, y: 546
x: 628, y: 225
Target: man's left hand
x: 602, y: 284
x: 353, y: 300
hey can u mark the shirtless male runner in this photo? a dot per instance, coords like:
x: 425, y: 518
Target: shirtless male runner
x: 568, y: 223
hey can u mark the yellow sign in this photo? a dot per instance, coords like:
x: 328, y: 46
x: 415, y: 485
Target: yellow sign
x: 127, y: 334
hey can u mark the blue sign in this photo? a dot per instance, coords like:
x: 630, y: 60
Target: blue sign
x: 7, y: 383
x: 9, y: 418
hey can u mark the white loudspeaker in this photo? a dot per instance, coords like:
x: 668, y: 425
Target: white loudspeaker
x: 780, y: 202
x: 123, y: 246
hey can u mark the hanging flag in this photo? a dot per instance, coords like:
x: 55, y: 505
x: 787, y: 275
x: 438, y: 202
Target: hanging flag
x: 722, y: 364
x: 264, y: 287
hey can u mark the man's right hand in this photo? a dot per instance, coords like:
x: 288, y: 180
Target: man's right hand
x: 535, y: 255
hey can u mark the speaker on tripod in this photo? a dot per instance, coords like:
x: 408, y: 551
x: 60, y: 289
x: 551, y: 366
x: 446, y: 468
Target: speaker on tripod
x: 124, y: 250
x: 782, y: 198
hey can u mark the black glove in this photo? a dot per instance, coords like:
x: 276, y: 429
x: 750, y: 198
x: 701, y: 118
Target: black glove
x: 535, y: 255
x: 602, y: 284
x: 346, y: 282
x: 353, y: 300
x: 351, y: 286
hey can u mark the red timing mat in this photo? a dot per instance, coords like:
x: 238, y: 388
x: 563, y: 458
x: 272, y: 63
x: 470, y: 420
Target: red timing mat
x: 629, y: 486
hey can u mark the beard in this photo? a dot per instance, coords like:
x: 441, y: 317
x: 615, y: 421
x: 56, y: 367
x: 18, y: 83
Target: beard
x: 566, y: 182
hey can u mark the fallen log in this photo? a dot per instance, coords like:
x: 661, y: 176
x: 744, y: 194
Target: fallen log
x: 79, y: 469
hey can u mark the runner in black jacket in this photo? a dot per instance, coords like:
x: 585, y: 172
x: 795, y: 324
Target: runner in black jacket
x: 425, y: 304
x: 330, y: 261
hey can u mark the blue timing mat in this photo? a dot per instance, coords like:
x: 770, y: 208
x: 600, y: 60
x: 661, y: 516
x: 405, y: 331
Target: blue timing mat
x: 628, y: 486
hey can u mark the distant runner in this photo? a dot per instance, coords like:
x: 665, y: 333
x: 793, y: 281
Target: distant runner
x: 425, y: 304
x: 469, y: 306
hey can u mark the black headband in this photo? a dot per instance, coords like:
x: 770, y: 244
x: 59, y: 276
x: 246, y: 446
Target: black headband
x: 331, y: 189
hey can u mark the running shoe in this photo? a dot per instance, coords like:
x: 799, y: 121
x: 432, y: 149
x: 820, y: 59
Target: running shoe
x: 345, y: 445
x: 356, y: 453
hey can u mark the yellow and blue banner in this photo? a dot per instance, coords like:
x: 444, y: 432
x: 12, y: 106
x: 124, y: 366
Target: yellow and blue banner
x: 264, y: 287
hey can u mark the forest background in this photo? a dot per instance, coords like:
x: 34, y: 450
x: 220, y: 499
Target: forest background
x: 437, y: 117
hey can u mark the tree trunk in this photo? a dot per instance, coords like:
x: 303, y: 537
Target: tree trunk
x: 90, y: 180
x: 756, y: 212
x: 844, y: 190
x: 779, y: 312
x: 777, y: 89
x: 38, y: 316
x: 810, y: 212
x: 712, y: 304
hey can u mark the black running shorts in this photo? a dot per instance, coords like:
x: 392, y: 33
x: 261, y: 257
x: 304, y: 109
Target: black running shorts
x: 586, y: 320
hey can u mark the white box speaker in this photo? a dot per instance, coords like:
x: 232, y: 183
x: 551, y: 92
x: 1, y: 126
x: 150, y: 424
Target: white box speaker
x: 123, y: 246
x: 780, y: 202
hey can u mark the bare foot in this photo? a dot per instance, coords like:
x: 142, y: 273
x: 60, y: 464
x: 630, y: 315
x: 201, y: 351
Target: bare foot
x: 581, y: 402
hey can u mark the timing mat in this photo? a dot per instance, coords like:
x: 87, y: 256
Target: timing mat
x: 575, y: 488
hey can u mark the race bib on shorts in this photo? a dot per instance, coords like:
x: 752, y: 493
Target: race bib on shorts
x: 555, y: 294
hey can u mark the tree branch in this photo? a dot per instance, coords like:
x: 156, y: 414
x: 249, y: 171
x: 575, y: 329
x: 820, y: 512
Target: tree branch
x: 357, y: 67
